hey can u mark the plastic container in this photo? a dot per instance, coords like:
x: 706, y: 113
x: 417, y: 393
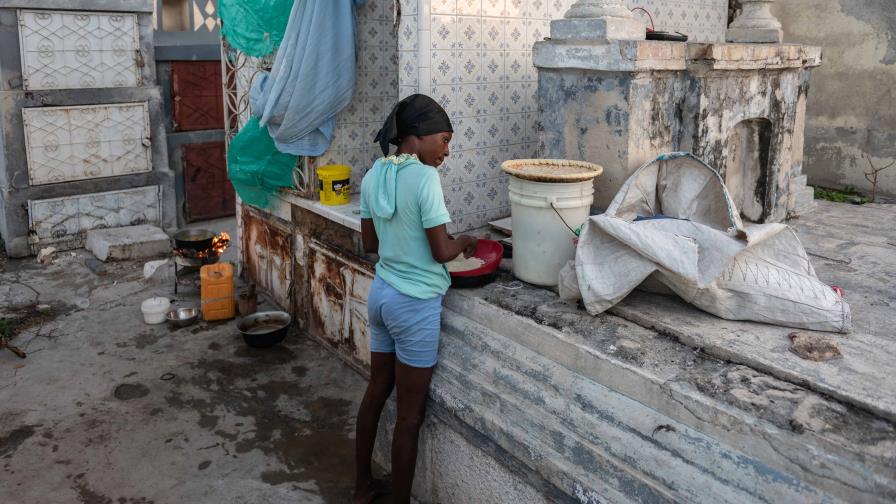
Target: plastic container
x: 542, y: 215
x: 216, y: 286
x: 334, y: 183
x: 155, y: 310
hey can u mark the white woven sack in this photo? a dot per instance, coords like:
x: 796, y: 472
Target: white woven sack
x: 701, y: 251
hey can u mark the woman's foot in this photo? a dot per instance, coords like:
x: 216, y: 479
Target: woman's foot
x: 373, y: 489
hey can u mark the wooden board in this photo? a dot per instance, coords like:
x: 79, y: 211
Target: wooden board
x: 503, y: 225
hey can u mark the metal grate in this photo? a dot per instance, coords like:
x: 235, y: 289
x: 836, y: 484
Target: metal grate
x: 239, y: 71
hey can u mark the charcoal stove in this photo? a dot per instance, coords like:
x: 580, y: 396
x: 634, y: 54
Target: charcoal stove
x: 188, y: 260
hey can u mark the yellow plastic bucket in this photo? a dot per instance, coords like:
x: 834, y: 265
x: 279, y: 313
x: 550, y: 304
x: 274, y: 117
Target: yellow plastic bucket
x: 334, y: 184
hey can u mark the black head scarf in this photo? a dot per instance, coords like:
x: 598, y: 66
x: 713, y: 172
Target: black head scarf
x: 415, y: 115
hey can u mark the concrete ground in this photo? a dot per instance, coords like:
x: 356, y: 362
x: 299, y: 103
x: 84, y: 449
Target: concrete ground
x: 107, y: 409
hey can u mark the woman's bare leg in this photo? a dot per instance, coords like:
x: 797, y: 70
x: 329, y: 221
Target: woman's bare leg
x: 412, y: 386
x: 382, y: 381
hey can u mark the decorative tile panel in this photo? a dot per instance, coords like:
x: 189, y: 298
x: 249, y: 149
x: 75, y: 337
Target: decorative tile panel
x: 86, y: 142
x: 64, y: 222
x: 69, y: 50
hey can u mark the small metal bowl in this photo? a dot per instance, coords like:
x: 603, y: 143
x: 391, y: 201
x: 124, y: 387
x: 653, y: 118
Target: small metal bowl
x: 182, y: 317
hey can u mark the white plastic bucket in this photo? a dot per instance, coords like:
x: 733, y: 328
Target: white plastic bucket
x: 542, y: 242
x: 155, y: 309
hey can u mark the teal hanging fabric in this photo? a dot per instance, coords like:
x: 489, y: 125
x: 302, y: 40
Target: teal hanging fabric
x: 254, y: 27
x: 255, y: 166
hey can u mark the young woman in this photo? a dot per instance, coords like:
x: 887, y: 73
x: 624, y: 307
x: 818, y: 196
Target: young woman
x: 403, y: 217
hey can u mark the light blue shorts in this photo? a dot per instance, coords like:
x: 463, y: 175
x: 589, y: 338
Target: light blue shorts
x: 404, y: 325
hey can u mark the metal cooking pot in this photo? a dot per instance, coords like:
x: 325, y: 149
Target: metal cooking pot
x: 194, y: 239
x: 264, y: 329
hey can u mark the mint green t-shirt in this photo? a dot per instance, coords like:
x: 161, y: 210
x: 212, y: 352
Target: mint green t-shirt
x: 404, y: 198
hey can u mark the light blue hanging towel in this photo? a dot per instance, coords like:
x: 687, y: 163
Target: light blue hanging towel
x: 313, y: 77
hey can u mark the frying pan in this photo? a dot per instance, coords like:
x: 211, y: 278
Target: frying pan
x: 489, y: 251
x: 194, y: 239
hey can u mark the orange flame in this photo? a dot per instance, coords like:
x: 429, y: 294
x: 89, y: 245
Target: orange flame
x: 220, y: 243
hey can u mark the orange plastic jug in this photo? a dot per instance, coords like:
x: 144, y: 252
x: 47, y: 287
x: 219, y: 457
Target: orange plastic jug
x: 217, y: 291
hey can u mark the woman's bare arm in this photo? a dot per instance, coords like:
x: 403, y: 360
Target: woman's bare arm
x: 445, y: 248
x: 369, y: 240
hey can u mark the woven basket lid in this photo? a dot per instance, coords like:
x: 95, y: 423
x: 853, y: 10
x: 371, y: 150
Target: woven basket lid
x: 552, y: 170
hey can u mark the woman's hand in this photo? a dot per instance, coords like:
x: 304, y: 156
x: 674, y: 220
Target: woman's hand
x: 471, y: 244
x: 445, y: 248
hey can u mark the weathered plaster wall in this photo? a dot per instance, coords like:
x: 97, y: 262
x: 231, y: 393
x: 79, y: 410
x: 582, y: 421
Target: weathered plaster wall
x: 852, y: 106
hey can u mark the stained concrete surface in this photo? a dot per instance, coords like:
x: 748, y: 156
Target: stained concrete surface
x: 106, y: 409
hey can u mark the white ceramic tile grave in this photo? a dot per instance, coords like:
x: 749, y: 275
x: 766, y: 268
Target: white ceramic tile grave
x: 70, y: 49
x: 86, y: 142
x: 64, y: 222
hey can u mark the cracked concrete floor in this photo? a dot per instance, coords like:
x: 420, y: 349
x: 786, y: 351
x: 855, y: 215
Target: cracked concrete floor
x: 106, y: 409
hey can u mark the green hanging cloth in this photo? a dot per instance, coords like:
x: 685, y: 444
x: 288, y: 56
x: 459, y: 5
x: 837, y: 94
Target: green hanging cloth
x: 255, y: 166
x: 254, y: 27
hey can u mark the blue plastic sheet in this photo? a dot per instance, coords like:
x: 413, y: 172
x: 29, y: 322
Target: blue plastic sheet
x: 313, y: 77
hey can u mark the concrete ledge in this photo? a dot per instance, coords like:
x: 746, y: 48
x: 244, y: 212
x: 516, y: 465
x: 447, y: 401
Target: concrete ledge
x: 130, y: 242
x: 632, y: 55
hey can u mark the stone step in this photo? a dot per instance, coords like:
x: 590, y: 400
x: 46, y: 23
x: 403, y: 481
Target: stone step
x: 588, y: 439
x: 129, y: 242
x: 799, y: 182
x: 801, y: 201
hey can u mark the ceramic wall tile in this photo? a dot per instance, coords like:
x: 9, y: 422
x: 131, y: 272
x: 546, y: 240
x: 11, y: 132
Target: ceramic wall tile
x: 469, y: 67
x: 517, y: 8
x: 469, y: 7
x: 442, y: 6
x: 409, y: 7
x: 444, y: 31
x: 464, y: 134
x: 493, y: 8
x: 469, y: 33
x: 493, y: 33
x: 444, y: 67
x: 491, y: 99
x: 408, y: 36
x: 515, y: 34
x: 536, y: 31
x: 447, y: 97
x: 517, y: 65
x: 408, y: 68
x: 468, y: 98
x: 492, y: 69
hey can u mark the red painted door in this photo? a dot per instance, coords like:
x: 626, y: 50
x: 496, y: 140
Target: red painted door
x: 208, y: 193
x: 197, y: 95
